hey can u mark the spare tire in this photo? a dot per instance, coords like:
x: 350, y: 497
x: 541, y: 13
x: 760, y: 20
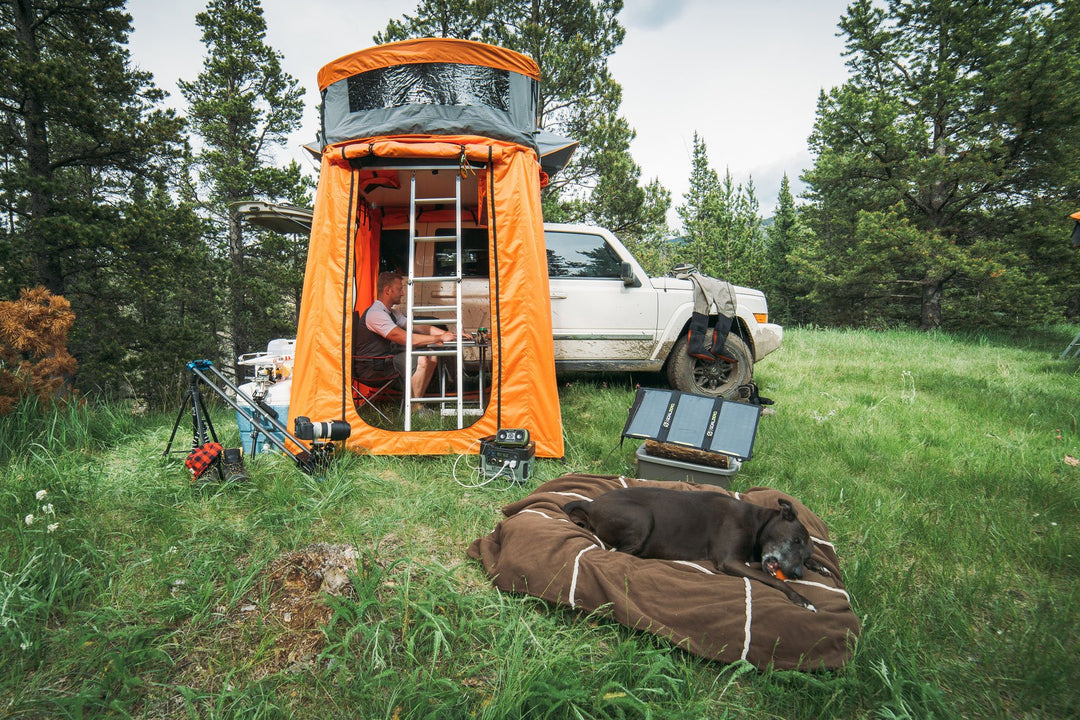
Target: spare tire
x: 700, y: 377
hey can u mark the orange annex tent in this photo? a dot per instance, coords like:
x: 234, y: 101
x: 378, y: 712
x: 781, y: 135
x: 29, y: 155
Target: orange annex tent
x: 430, y: 117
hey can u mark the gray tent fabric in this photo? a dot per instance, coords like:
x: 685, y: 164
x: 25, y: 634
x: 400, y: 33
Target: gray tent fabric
x: 439, y: 98
x: 538, y: 551
x: 555, y: 151
x: 431, y: 99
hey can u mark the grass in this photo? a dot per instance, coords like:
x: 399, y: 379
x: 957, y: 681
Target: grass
x: 941, y: 464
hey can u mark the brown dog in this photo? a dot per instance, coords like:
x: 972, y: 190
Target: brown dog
x: 666, y: 524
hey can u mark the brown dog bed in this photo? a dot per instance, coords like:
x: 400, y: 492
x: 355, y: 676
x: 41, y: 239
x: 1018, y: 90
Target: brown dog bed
x: 537, y: 550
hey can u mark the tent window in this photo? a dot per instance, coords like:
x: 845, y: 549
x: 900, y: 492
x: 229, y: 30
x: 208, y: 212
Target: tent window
x: 580, y: 255
x: 430, y: 84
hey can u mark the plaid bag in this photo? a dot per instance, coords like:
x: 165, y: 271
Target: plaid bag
x: 202, y: 458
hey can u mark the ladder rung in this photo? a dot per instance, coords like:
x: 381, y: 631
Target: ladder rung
x: 435, y: 200
x: 435, y: 238
x: 436, y: 278
x: 431, y: 308
x: 435, y: 320
x: 434, y: 399
x: 436, y: 353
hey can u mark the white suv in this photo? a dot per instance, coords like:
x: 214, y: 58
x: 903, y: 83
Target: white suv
x: 607, y: 313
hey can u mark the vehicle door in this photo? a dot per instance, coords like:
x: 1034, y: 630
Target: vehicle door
x: 596, y: 316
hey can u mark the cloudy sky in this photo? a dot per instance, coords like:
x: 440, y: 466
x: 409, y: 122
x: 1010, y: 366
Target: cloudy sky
x: 743, y: 74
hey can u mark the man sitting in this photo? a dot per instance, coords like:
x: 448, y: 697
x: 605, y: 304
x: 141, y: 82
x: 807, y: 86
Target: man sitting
x: 381, y: 331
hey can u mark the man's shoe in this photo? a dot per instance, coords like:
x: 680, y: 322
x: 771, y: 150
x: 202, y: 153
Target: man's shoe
x: 232, y: 462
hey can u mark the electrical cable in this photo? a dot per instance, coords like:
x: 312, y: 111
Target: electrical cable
x: 478, y: 483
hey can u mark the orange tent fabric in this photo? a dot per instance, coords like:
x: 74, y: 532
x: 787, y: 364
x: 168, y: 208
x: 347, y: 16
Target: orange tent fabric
x: 427, y: 50
x: 341, y: 268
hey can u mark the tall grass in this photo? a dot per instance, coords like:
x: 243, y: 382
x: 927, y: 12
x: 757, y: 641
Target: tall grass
x: 941, y: 463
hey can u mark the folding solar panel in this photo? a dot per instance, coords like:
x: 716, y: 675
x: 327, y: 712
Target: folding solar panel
x: 696, y: 421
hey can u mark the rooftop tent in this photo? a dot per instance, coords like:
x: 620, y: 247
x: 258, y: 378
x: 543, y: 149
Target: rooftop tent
x: 417, y: 117
x: 437, y: 87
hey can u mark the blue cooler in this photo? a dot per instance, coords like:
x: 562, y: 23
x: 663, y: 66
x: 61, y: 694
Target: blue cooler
x: 273, y: 380
x: 277, y: 397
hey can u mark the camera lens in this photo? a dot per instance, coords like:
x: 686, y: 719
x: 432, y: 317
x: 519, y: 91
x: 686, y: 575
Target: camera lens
x: 333, y: 430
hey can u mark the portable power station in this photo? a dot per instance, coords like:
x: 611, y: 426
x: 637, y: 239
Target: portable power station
x: 508, y: 453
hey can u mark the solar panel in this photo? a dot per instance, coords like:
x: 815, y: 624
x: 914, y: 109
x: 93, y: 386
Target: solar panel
x: 696, y: 421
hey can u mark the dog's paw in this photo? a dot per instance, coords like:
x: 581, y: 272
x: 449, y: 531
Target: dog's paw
x: 802, y: 602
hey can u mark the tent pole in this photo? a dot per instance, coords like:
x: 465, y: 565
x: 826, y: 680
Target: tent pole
x: 498, y: 315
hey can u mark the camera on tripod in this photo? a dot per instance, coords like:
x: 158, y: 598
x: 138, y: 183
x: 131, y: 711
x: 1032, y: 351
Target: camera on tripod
x: 329, y: 431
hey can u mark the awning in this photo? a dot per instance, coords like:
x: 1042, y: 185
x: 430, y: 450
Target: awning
x: 285, y: 219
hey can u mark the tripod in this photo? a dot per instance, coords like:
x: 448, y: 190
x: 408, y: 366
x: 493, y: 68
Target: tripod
x: 203, y: 429
x: 202, y: 426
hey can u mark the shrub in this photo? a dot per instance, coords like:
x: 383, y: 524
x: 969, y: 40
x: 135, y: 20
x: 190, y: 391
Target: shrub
x: 33, y: 348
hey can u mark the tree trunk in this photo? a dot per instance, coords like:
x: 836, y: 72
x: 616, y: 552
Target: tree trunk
x: 932, y: 293
x: 46, y: 261
x: 241, y: 337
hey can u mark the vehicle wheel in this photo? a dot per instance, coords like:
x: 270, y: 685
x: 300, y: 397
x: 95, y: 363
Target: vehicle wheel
x: 689, y: 374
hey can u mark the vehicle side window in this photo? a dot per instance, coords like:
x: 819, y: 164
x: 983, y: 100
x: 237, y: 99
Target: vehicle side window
x: 580, y: 255
x: 474, y: 253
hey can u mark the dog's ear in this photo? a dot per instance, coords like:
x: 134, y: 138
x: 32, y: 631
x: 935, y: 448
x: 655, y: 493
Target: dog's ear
x: 787, y: 512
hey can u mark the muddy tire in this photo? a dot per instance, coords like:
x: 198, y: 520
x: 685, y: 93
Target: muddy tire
x: 692, y: 375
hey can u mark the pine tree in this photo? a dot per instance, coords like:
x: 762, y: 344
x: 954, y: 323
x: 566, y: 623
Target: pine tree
x: 79, y: 124
x: 698, y: 214
x: 243, y: 106
x: 780, y: 282
x: 721, y: 223
x: 739, y: 238
x: 571, y: 41
x: 82, y: 133
x: 959, y: 118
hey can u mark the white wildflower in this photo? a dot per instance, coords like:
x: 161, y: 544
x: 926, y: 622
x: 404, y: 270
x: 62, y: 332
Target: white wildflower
x: 48, y: 509
x: 40, y: 494
x: 29, y: 519
x: 52, y: 527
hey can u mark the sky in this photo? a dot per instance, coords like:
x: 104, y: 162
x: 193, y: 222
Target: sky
x: 745, y: 75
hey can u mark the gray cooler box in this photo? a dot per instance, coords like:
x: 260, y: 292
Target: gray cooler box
x: 651, y: 467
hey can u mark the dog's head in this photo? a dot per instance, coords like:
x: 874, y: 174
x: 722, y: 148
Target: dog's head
x: 785, y: 544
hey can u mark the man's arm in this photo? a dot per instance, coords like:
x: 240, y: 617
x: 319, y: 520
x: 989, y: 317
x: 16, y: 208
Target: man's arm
x: 419, y: 339
x: 380, y: 321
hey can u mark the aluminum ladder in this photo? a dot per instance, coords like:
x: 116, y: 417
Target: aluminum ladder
x: 433, y: 314
x: 1073, y: 350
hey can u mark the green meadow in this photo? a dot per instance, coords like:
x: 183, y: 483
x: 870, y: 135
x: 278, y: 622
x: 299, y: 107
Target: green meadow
x: 945, y: 465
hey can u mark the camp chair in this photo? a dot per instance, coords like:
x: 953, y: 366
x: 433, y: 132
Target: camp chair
x: 373, y: 377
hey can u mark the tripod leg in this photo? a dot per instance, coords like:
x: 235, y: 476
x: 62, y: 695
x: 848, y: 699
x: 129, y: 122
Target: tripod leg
x: 176, y: 425
x: 206, y: 423
x: 203, y: 427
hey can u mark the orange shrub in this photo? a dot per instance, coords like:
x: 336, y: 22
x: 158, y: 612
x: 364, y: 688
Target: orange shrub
x: 33, y: 347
